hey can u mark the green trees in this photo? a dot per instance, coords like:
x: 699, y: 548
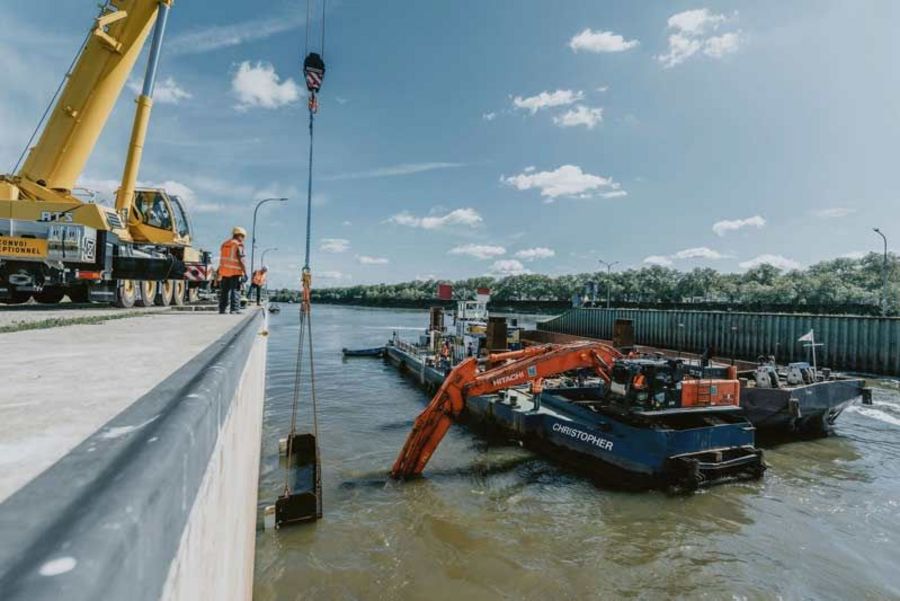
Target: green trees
x: 839, y: 283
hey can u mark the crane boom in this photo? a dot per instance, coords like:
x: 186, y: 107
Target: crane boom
x: 465, y: 381
x: 93, y: 86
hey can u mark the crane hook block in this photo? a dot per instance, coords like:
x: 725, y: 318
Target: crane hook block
x: 314, y: 70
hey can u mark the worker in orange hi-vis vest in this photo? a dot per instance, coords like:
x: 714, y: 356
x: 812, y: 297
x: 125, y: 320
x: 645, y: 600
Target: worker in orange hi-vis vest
x: 232, y: 271
x: 258, y: 281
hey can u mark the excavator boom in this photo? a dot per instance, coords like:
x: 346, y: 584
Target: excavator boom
x: 465, y: 381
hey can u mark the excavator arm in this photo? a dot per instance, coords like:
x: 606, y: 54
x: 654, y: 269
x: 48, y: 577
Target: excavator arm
x: 465, y: 381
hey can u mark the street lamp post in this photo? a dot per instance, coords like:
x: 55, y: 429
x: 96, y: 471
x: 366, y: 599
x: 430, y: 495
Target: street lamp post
x: 609, y: 267
x: 253, y: 233
x: 262, y: 260
x: 884, y: 273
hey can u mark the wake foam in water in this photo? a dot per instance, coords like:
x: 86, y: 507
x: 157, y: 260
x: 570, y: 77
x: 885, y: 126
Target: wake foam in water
x: 878, y: 414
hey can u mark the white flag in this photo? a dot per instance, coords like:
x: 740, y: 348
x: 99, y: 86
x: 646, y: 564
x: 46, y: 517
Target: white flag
x: 807, y: 337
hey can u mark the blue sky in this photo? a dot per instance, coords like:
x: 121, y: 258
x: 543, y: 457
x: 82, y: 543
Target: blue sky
x: 463, y: 138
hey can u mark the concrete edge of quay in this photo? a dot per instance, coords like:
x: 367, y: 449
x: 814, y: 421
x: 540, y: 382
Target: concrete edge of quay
x: 166, y: 508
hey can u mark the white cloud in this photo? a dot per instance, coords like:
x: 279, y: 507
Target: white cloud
x: 833, y: 213
x: 489, y: 116
x: 701, y: 252
x: 602, y: 89
x: 215, y: 37
x: 719, y: 46
x: 167, y: 91
x: 580, y: 115
x: 691, y: 33
x: 568, y: 180
x: 531, y: 254
x: 658, y: 260
x: 366, y: 260
x: 478, y: 251
x: 723, y: 227
x: 546, y: 100
x: 334, y: 245
x: 773, y: 260
x: 695, y: 22
x: 508, y: 267
x: 600, y: 41
x: 395, y: 170
x: 854, y: 254
x: 681, y: 48
x: 259, y: 86
x: 464, y: 217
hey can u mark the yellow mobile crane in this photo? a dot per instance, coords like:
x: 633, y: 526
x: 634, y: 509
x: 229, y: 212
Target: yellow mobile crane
x: 53, y: 243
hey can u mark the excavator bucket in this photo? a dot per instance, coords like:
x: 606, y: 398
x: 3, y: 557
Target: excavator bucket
x: 302, y: 499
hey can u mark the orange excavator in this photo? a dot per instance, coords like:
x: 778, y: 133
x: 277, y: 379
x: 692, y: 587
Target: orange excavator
x: 503, y: 370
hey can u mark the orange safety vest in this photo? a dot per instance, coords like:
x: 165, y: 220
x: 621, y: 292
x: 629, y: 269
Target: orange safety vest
x: 230, y: 263
x: 259, y: 278
x: 640, y: 381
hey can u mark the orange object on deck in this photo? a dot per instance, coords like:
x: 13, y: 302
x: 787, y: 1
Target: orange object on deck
x: 710, y: 393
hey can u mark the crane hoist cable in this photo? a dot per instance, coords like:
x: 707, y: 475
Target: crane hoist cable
x: 314, y: 73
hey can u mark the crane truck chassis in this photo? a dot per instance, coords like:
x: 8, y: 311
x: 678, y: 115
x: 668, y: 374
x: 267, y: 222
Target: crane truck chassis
x: 75, y: 251
x: 53, y: 243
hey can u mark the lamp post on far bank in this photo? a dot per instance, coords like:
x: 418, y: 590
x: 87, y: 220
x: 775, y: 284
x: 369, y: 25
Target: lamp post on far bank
x: 262, y: 260
x: 884, y: 273
x: 253, y: 233
x: 609, y: 267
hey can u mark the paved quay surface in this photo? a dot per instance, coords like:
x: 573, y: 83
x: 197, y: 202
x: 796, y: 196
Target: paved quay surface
x: 63, y: 384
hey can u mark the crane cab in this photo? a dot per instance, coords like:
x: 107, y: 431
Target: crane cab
x: 159, y: 218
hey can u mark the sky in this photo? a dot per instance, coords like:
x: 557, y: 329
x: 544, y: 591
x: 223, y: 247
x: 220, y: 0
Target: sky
x: 472, y: 137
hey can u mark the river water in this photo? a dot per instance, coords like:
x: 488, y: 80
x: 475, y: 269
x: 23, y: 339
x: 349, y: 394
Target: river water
x: 494, y: 521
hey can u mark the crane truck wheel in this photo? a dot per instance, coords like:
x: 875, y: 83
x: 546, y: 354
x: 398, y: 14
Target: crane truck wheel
x: 126, y: 294
x: 18, y: 298
x: 164, y: 290
x: 49, y: 296
x: 146, y: 293
x: 179, y: 292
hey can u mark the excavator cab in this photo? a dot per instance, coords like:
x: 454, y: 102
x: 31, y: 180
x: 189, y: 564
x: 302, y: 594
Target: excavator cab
x: 647, y: 384
x: 159, y: 218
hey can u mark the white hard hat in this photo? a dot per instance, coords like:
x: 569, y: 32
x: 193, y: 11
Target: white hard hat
x: 239, y: 231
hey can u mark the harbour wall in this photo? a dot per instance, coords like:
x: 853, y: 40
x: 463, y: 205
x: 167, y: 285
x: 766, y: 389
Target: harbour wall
x: 849, y: 343
x: 161, y: 502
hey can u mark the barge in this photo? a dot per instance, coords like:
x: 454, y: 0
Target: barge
x: 574, y: 421
x: 798, y: 399
x: 794, y: 400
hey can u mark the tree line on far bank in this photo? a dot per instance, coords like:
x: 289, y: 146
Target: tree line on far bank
x: 844, y: 285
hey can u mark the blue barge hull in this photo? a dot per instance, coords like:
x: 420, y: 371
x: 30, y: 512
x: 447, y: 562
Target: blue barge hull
x: 680, y: 449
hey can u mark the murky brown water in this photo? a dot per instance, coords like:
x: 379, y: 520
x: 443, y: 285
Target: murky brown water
x: 498, y: 522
